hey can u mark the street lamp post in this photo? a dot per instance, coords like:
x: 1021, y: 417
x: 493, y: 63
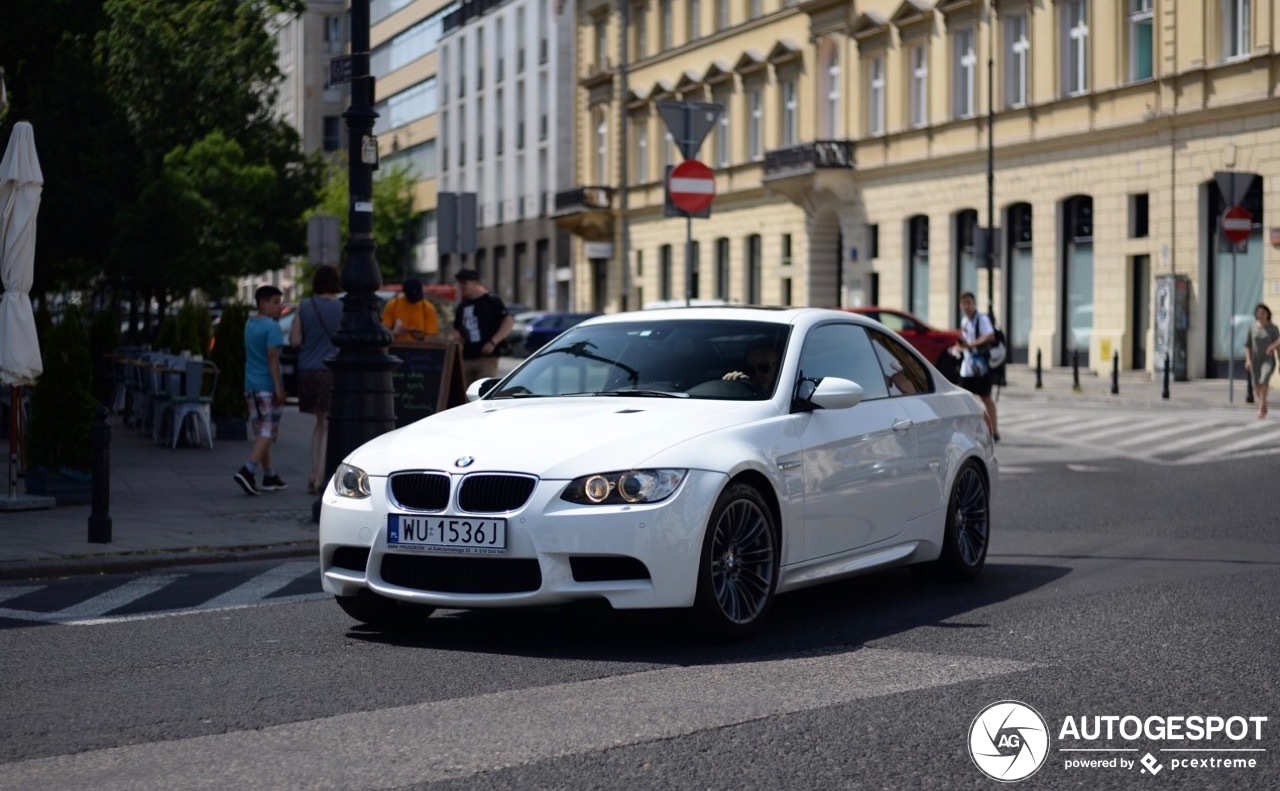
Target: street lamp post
x: 363, y: 406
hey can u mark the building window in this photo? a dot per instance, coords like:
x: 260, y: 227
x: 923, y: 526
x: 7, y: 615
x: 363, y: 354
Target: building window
x: 918, y: 261
x: 1139, y: 215
x: 695, y: 19
x: 831, y: 122
x: 755, y: 9
x: 963, y: 67
x: 642, y: 150
x: 1141, y: 40
x: 786, y: 249
x: 755, y: 121
x: 1235, y: 29
x: 333, y: 36
x: 919, y: 86
x: 332, y: 133
x: 1075, y: 47
x: 722, y: 269
x: 602, y: 149
x: 722, y: 135
x: 753, y: 270
x: 462, y: 134
x: 875, y: 95
x: 482, y: 54
x: 500, y: 131
x: 722, y: 14
x: 786, y: 291
x: 873, y: 241
x: 790, y: 113
x: 602, y: 44
x: 668, y: 29
x: 462, y: 66
x: 642, y: 30
x: 444, y: 135
x: 544, y: 21
x: 480, y: 119
x: 501, y: 47
x: 543, y: 99
x: 520, y: 28
x: 664, y: 272
x: 1017, y: 50
x: 520, y: 115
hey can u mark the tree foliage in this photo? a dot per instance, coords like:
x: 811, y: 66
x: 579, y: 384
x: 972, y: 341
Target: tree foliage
x: 393, y: 214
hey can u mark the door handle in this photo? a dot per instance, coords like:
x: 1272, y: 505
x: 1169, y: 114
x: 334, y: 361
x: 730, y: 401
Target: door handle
x: 902, y: 424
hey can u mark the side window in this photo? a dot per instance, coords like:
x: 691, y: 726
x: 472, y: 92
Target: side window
x: 903, y: 373
x: 844, y: 351
x: 893, y: 321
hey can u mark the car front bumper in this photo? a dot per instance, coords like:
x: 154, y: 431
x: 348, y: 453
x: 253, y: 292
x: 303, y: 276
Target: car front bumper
x: 557, y: 552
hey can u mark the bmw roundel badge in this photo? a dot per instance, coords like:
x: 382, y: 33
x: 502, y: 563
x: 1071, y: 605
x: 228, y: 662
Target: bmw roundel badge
x: 465, y: 461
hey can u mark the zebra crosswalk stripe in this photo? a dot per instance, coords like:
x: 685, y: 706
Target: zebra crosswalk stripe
x: 263, y: 585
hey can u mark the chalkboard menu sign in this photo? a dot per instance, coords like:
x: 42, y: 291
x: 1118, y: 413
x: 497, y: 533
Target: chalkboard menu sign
x: 428, y: 379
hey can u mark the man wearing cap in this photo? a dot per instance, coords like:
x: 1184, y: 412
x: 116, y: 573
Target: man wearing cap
x: 409, y: 316
x: 482, y: 323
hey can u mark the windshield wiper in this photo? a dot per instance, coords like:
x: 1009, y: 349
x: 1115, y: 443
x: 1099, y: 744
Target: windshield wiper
x: 642, y: 394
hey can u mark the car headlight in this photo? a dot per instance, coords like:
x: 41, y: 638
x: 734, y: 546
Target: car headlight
x: 351, y: 482
x: 631, y: 486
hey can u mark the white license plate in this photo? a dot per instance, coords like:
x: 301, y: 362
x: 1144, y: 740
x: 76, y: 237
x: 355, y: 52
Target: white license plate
x: 466, y: 535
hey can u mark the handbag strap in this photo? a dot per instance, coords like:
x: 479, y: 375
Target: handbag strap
x: 320, y: 318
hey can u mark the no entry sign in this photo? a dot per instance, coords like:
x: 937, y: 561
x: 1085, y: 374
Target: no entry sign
x: 691, y: 186
x: 1237, y: 223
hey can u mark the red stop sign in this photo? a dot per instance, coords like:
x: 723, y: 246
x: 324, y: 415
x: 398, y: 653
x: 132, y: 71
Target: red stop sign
x: 692, y: 186
x: 1237, y: 224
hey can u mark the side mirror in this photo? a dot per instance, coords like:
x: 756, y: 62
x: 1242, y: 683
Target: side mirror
x: 481, y: 387
x: 836, y: 393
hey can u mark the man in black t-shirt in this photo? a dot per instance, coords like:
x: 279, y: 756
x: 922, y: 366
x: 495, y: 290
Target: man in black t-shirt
x: 482, y: 323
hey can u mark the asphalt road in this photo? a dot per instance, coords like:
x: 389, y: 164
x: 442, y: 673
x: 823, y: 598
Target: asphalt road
x: 1114, y: 587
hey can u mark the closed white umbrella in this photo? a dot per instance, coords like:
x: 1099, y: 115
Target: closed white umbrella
x: 21, y: 183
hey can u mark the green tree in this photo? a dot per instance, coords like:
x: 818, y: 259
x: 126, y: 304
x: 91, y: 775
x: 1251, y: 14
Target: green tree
x: 224, y: 184
x: 393, y: 213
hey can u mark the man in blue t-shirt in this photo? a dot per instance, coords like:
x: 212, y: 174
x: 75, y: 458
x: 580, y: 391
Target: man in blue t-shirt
x: 263, y: 389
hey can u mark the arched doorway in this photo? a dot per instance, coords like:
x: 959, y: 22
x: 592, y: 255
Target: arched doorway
x: 826, y: 273
x: 1226, y: 335
x: 1076, y: 317
x: 918, y: 266
x: 1017, y: 282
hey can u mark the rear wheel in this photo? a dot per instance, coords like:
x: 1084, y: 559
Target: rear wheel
x: 968, y: 529
x: 370, y: 608
x: 738, y: 573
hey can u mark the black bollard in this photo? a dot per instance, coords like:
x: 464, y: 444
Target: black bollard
x: 1075, y: 370
x: 1165, y: 392
x: 100, y: 453
x: 1248, y: 380
x: 1115, y: 373
x: 1039, y: 380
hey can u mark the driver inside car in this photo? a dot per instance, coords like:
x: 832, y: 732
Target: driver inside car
x: 761, y: 367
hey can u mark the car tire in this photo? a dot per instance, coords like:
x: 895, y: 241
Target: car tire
x: 372, y: 609
x: 968, y: 529
x: 738, y: 567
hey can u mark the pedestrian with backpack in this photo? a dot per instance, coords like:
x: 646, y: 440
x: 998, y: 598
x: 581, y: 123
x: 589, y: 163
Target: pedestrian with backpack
x: 319, y: 318
x: 977, y: 336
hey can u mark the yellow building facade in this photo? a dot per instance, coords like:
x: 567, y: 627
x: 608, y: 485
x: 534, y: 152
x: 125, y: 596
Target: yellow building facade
x: 852, y: 163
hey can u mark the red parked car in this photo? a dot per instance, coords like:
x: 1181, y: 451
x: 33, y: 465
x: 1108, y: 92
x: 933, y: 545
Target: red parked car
x: 931, y: 342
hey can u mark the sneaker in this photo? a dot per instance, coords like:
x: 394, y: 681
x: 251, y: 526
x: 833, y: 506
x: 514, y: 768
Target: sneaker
x: 272, y: 483
x: 247, y: 481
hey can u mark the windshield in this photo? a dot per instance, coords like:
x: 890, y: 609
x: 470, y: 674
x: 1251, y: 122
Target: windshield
x: 716, y: 359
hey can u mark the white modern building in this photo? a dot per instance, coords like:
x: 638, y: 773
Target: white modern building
x: 506, y: 90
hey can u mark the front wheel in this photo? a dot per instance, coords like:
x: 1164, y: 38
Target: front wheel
x: 968, y: 528
x: 738, y: 571
x: 378, y: 611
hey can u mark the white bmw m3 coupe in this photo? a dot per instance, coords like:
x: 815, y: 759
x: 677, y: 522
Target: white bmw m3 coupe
x: 706, y: 458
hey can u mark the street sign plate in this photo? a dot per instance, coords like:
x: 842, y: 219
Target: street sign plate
x: 341, y: 69
x: 692, y: 186
x: 689, y: 123
x: 1237, y: 224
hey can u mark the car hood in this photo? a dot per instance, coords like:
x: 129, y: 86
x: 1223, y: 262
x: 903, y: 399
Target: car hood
x: 552, y: 437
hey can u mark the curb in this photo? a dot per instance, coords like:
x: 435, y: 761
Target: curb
x: 132, y: 562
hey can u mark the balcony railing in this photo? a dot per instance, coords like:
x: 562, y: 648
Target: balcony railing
x: 808, y: 157
x: 584, y: 199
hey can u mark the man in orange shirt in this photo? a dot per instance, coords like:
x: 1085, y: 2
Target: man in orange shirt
x: 409, y: 316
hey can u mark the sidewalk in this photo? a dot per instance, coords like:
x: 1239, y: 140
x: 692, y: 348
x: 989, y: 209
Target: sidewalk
x: 180, y: 506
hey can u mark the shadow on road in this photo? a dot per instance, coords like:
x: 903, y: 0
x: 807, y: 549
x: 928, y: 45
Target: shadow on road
x: 833, y: 618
